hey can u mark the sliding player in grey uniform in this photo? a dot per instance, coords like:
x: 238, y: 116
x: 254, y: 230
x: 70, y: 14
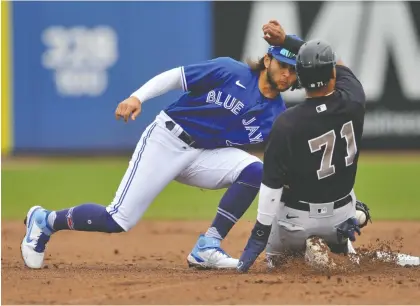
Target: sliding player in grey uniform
x: 310, y: 164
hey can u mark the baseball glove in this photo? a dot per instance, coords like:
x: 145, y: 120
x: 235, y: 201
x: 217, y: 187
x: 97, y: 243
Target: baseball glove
x: 363, y: 208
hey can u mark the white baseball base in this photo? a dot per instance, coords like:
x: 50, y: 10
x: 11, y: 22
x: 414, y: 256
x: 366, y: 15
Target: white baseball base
x: 399, y: 258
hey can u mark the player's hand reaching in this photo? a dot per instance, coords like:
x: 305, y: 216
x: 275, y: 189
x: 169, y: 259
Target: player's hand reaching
x: 255, y: 246
x: 130, y: 107
x: 348, y: 229
x: 274, y: 33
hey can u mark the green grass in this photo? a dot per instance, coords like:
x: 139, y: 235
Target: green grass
x: 389, y: 185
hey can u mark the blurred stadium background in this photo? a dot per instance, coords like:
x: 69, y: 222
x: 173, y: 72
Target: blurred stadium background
x: 66, y: 65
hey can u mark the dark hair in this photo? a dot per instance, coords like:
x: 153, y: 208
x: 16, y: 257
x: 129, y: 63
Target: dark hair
x: 257, y: 65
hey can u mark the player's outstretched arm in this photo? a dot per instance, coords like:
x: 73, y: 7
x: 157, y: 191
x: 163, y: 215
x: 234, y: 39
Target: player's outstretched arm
x: 275, y: 35
x: 157, y: 86
x: 274, y: 177
x: 268, y: 204
x: 129, y: 107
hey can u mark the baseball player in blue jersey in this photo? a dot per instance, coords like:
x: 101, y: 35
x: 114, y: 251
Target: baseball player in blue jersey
x: 225, y: 104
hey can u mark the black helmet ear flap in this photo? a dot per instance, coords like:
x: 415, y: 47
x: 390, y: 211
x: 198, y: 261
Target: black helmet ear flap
x: 296, y: 85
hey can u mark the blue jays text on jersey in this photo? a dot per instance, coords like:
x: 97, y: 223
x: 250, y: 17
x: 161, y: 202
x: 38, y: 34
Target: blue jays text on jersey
x: 223, y: 106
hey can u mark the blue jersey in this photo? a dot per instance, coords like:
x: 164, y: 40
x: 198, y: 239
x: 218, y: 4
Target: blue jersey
x: 223, y: 106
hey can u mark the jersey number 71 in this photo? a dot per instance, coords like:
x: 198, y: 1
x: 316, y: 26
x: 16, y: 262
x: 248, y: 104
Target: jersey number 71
x: 327, y: 140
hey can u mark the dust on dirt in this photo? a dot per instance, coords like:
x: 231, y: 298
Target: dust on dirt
x: 148, y: 266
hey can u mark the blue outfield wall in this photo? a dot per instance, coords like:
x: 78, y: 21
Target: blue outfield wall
x: 74, y: 61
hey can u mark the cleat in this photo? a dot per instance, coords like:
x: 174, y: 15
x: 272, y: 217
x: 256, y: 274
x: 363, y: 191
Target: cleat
x: 37, y: 235
x: 207, y: 254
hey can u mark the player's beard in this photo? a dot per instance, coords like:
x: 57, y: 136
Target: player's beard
x: 271, y: 82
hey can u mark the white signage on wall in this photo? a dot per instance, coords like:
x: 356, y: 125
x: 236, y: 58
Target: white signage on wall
x: 80, y: 57
x: 364, y: 35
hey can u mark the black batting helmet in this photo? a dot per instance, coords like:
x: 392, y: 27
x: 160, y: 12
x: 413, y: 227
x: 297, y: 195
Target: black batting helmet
x: 315, y: 64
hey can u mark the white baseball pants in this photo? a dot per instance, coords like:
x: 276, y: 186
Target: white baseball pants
x: 160, y: 157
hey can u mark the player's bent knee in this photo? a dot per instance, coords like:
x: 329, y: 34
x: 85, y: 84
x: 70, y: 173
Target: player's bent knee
x: 252, y: 174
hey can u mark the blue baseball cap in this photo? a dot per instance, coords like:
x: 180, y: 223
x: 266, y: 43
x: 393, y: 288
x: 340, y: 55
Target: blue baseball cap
x: 283, y: 55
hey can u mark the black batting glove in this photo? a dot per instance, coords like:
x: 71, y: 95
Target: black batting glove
x: 255, y: 246
x: 347, y: 229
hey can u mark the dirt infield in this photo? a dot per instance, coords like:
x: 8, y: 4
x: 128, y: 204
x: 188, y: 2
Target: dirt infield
x: 148, y: 266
